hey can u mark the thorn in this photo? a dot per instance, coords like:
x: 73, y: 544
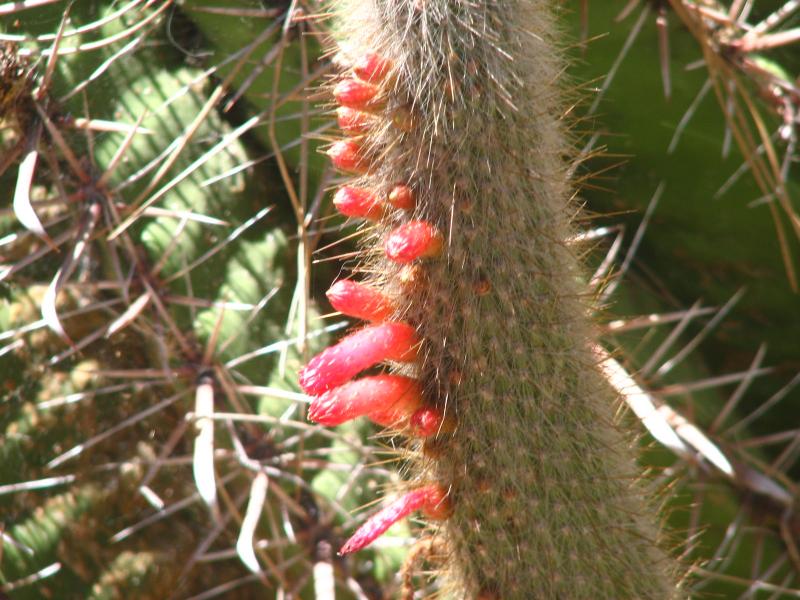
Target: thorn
x: 244, y: 543
x: 129, y: 315
x: 23, y: 208
x: 203, y: 459
x: 663, y: 51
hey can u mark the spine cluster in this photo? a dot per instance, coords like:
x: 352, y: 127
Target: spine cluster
x: 453, y: 137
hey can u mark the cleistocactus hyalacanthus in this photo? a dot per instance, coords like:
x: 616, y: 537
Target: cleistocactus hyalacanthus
x: 461, y: 103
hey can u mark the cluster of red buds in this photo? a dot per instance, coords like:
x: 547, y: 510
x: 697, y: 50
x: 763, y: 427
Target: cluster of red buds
x: 390, y: 400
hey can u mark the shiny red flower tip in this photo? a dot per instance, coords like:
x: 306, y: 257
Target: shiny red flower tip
x: 427, y: 421
x: 362, y: 349
x: 360, y: 301
x: 346, y: 155
x: 372, y: 68
x: 416, y: 239
x: 352, y: 121
x: 386, y: 399
x: 355, y: 94
x: 358, y: 202
x: 402, y: 197
x: 431, y: 499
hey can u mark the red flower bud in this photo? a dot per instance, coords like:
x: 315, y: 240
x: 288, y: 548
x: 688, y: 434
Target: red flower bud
x: 352, y: 121
x: 358, y: 202
x: 354, y: 353
x: 402, y: 197
x: 358, y: 300
x: 426, y: 422
x: 355, y: 94
x: 416, y: 239
x: 386, y: 399
x: 372, y: 68
x: 346, y: 155
x: 431, y: 499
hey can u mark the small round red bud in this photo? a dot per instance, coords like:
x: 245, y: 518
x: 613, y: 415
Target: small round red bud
x: 360, y: 301
x: 402, y: 197
x: 426, y: 421
x: 358, y: 202
x: 416, y: 239
x: 431, y: 499
x: 385, y: 399
x: 346, y: 155
x: 352, y: 121
x: 372, y: 68
x: 355, y: 94
x: 358, y: 351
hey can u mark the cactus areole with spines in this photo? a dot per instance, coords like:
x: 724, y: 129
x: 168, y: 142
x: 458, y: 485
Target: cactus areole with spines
x: 516, y: 431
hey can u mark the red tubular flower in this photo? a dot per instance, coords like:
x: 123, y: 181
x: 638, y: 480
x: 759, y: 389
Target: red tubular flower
x: 358, y: 202
x: 386, y: 399
x: 352, y: 121
x: 355, y: 94
x: 372, y: 68
x: 346, y: 155
x: 402, y: 197
x: 354, y: 353
x: 431, y: 499
x: 416, y: 239
x: 360, y: 301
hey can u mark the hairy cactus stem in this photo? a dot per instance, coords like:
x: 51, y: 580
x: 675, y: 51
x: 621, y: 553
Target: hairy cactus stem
x: 540, y: 482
